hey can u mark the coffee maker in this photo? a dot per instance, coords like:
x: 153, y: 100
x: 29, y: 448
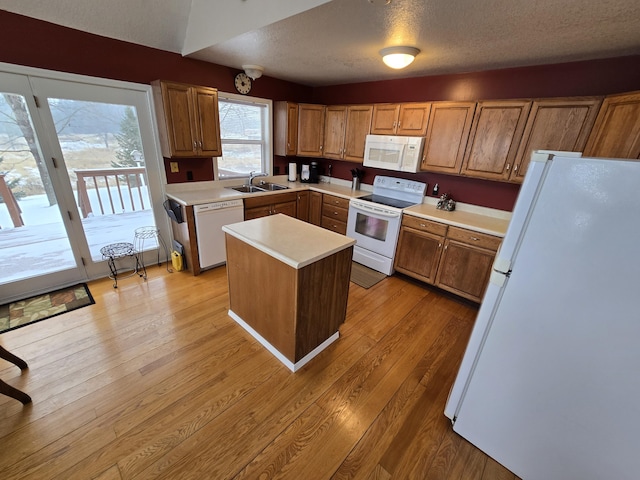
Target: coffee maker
x: 310, y: 173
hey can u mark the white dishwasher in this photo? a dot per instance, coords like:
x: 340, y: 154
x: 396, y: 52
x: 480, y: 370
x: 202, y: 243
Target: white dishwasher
x: 210, y: 217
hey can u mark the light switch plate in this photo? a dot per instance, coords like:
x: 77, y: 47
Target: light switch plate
x: 174, y: 167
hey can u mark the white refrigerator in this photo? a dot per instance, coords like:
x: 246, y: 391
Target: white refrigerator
x: 549, y: 385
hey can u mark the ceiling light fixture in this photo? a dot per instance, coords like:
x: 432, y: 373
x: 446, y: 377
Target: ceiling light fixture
x: 398, y: 57
x: 253, y: 71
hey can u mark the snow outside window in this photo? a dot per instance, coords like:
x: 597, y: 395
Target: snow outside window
x: 245, y: 130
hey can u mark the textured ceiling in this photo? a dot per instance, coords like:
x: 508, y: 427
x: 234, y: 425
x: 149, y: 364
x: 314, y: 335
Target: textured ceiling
x: 338, y: 41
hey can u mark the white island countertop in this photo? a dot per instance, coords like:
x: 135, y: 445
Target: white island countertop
x: 292, y: 241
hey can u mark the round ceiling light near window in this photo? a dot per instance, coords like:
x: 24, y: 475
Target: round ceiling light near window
x: 253, y: 71
x: 398, y: 57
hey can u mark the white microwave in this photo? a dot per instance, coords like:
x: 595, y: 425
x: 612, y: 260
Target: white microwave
x: 391, y: 152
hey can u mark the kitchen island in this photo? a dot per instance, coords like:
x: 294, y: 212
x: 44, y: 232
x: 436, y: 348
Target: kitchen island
x: 288, y: 284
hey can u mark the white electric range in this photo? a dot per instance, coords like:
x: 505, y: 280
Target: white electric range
x: 374, y: 221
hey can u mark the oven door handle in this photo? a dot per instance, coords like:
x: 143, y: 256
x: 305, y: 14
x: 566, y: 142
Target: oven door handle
x: 376, y: 210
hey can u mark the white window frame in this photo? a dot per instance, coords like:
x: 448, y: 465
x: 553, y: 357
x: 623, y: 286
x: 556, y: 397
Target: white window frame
x: 267, y: 131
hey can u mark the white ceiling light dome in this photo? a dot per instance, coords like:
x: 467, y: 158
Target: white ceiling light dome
x: 253, y: 71
x: 398, y: 57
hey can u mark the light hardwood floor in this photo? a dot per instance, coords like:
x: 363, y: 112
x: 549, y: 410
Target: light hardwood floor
x: 156, y: 381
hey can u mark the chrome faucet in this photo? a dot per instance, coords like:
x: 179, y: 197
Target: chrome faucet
x: 253, y: 175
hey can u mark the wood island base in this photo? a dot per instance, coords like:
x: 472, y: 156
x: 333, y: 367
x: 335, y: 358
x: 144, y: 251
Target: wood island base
x: 288, y: 284
x: 288, y: 363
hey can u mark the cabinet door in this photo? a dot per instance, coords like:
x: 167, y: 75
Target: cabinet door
x: 207, y: 121
x: 385, y: 118
x: 555, y: 124
x: 616, y: 133
x: 175, y: 113
x: 288, y: 208
x: 315, y: 208
x: 285, y: 128
x: 356, y: 131
x: 418, y: 254
x: 257, y: 212
x: 464, y: 269
x: 302, y: 207
x: 310, y: 130
x: 494, y: 138
x: 447, y: 134
x: 335, y: 120
x: 413, y: 119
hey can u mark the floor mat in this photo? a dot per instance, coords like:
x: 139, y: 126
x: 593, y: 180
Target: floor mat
x: 365, y: 276
x: 40, y: 307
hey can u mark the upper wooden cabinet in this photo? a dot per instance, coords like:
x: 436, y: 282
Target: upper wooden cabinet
x: 449, y: 126
x: 310, y: 130
x: 345, y: 131
x: 188, y: 122
x: 335, y: 121
x: 400, y: 119
x: 494, y: 138
x: 616, y: 133
x: 555, y: 124
x: 356, y: 131
x: 285, y: 134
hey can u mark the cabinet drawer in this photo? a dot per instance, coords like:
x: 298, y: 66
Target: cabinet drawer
x: 474, y: 238
x: 334, y: 225
x: 335, y: 201
x: 336, y: 213
x: 424, y: 225
x: 272, y: 198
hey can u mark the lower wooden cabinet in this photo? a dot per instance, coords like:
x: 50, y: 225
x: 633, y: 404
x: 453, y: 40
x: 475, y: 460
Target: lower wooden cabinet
x: 256, y: 207
x: 302, y: 207
x: 334, y: 213
x: 466, y: 263
x: 454, y: 259
x: 419, y: 248
x: 315, y: 208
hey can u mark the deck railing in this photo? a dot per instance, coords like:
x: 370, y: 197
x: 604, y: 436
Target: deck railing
x: 113, y: 181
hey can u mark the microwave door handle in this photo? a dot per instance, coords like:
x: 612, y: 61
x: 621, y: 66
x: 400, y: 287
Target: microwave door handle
x: 367, y: 208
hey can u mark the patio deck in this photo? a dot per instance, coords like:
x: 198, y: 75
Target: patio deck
x: 37, y: 249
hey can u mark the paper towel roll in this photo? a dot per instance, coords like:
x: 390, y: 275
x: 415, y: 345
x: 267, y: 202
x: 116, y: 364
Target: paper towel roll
x: 292, y: 172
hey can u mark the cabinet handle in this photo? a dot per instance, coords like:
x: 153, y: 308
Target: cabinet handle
x: 508, y: 166
x: 440, y: 245
x: 335, y: 213
x: 475, y: 239
x: 422, y: 225
x: 200, y: 144
x: 515, y: 168
x: 195, y: 145
x: 446, y: 246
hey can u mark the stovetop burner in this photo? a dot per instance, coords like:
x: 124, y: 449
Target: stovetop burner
x: 388, y: 201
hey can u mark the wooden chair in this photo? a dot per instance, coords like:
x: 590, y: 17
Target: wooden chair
x: 8, y: 390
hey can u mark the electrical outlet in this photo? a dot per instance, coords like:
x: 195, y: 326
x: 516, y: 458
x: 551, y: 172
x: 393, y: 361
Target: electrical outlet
x: 174, y: 167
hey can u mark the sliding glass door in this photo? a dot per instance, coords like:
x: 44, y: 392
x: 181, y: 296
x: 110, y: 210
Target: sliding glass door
x: 75, y: 159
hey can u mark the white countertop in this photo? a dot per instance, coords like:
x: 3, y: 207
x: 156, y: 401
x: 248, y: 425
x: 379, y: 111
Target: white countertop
x: 197, y: 193
x: 288, y: 239
x: 472, y: 217
x: 479, y: 219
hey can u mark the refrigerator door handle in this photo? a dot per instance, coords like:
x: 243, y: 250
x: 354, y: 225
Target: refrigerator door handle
x: 502, y: 264
x: 498, y: 278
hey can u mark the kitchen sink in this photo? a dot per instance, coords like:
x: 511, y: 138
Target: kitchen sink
x: 247, y: 189
x: 272, y: 186
x: 263, y: 187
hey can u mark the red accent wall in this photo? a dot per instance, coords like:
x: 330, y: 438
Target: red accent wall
x: 35, y: 43
x: 595, y: 77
